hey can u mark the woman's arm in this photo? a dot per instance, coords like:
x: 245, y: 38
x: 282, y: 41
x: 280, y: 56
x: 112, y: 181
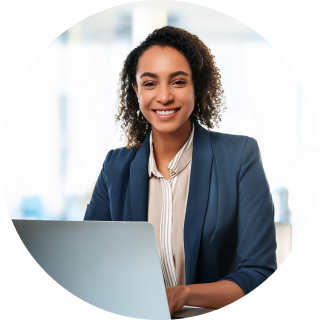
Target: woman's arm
x: 206, y: 295
x: 99, y: 207
x: 213, y: 295
x: 256, y: 243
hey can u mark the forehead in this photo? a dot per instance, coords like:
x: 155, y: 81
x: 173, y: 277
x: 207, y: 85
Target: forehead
x: 159, y: 59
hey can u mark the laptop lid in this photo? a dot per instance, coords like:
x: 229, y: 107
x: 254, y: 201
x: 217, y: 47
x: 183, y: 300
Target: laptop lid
x: 112, y: 265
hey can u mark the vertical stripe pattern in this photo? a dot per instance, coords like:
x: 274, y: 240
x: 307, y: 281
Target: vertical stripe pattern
x: 168, y: 189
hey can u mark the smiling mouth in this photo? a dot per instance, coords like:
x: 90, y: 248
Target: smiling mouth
x: 166, y: 112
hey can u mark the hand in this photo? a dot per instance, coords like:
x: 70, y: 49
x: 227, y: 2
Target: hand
x: 177, y: 297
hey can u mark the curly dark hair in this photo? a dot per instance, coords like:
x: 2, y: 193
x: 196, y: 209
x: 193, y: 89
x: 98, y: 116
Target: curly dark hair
x: 205, y: 74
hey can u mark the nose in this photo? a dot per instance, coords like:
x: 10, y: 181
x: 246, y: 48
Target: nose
x: 164, y: 95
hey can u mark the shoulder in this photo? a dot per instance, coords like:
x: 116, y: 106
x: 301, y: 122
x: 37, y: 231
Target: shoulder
x: 118, y: 160
x: 228, y: 140
x: 120, y: 155
x: 236, y: 144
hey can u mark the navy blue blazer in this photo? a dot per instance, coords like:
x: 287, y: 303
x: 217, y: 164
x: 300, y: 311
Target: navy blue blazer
x: 229, y: 231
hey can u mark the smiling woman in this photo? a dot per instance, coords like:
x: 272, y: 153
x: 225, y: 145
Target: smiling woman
x: 205, y: 193
x: 181, y: 62
x: 163, y: 94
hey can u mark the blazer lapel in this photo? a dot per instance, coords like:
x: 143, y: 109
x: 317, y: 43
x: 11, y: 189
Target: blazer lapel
x: 198, y: 196
x: 139, y: 182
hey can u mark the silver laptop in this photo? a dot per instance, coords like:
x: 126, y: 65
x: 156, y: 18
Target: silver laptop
x: 112, y: 265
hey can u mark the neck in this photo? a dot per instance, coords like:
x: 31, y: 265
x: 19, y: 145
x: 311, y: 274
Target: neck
x: 167, y: 145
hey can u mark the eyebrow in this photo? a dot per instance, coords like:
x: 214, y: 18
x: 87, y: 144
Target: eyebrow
x: 153, y: 75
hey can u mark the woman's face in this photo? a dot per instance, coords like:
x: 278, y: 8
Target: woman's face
x: 164, y: 88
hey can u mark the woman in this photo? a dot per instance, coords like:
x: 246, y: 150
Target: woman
x: 205, y: 192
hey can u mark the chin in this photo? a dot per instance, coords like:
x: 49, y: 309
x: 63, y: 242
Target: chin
x: 167, y: 127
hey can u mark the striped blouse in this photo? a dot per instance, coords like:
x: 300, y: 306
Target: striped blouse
x: 166, y: 210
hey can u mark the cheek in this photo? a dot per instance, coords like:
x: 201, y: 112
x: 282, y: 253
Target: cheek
x: 145, y: 99
x: 188, y: 100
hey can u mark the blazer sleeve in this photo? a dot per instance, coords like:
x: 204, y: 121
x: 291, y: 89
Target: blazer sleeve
x: 99, y: 207
x: 256, y: 246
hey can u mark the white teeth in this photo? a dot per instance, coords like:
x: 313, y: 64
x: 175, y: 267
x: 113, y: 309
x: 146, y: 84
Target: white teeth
x: 165, y: 113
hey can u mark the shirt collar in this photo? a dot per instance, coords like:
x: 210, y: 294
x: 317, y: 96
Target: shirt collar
x: 178, y: 163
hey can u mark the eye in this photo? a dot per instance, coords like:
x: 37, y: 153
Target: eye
x: 179, y: 82
x: 149, y: 84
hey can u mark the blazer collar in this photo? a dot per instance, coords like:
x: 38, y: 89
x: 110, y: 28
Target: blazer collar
x: 198, y: 196
x: 139, y: 181
x: 202, y: 157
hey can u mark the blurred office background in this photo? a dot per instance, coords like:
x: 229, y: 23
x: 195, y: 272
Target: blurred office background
x: 62, y: 122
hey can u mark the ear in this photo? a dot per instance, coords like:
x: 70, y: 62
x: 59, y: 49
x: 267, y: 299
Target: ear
x: 135, y: 87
